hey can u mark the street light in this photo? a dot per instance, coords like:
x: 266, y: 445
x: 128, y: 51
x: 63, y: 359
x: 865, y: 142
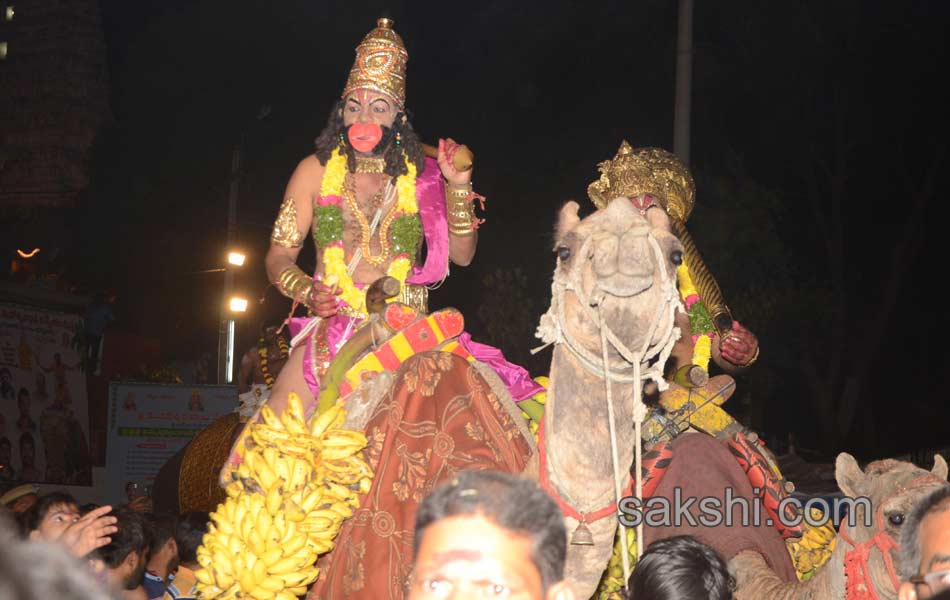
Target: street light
x: 238, y: 304
x: 236, y: 258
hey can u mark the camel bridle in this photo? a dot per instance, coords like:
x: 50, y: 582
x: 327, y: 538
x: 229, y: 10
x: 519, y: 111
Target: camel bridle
x: 636, y: 367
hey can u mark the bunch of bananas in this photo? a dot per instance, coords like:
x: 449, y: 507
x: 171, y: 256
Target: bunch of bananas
x: 532, y: 409
x: 296, y: 484
x: 814, y: 548
x: 612, y: 582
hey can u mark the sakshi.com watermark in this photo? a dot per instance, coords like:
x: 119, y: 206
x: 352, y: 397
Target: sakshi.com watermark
x: 731, y: 510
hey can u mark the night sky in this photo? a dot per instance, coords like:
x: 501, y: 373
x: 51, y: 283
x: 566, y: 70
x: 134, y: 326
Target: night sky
x: 808, y: 118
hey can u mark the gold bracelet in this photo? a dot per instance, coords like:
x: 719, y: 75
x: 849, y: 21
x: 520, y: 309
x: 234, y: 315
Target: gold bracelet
x: 295, y: 284
x: 754, y: 358
x: 461, y: 216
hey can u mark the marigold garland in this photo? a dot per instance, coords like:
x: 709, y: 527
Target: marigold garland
x: 700, y: 321
x: 262, y: 352
x: 405, y: 232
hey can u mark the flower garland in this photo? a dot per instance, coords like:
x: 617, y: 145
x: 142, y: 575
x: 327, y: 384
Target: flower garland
x: 700, y: 322
x: 405, y: 231
x: 262, y: 352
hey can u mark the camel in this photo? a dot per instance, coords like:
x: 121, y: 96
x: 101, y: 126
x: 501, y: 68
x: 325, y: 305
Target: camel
x: 614, y: 286
x: 893, y: 487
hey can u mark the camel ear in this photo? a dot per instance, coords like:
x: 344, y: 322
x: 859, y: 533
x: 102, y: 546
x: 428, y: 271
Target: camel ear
x: 940, y: 467
x: 848, y: 474
x: 568, y: 219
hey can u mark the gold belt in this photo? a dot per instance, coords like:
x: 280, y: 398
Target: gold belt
x: 414, y: 296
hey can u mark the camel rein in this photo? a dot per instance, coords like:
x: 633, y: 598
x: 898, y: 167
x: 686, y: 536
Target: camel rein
x: 555, y: 331
x: 858, y: 584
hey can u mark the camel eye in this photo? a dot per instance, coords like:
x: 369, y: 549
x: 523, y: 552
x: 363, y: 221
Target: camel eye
x: 677, y: 257
x: 564, y: 253
x: 896, y: 519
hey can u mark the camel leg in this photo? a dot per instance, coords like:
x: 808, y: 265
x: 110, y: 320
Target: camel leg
x: 586, y: 564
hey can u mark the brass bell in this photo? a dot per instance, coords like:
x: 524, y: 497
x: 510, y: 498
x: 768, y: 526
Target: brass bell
x: 582, y: 536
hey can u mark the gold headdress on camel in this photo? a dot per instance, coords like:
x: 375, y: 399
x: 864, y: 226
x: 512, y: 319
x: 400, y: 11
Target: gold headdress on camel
x: 660, y: 174
x: 380, y: 64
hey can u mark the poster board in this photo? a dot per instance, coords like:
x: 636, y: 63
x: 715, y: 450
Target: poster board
x: 44, y: 413
x: 149, y: 423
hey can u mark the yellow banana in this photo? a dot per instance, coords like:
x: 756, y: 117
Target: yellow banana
x: 223, y: 580
x: 300, y: 474
x: 321, y: 423
x: 293, y: 545
x: 300, y: 590
x: 233, y: 489
x: 271, y: 418
x: 285, y: 565
x: 271, y: 556
x: 293, y: 511
x: 292, y: 423
x: 239, y: 511
x: 310, y: 500
x: 343, y: 437
x: 284, y: 595
x: 274, y: 497
x: 260, y: 571
x: 295, y: 408
x: 259, y: 593
x: 204, y: 576
x: 271, y: 584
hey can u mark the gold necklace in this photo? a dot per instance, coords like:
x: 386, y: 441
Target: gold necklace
x: 349, y: 196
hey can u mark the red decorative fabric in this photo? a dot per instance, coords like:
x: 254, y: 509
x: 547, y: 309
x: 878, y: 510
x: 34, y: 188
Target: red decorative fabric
x: 770, y: 488
x: 441, y: 418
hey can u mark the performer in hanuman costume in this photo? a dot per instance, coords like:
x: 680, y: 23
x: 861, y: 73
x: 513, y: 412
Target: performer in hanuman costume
x: 370, y: 195
x: 371, y: 198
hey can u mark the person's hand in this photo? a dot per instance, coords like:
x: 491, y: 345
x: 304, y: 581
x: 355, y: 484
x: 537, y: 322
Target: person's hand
x: 447, y: 150
x: 323, y: 299
x: 90, y: 532
x: 739, y: 346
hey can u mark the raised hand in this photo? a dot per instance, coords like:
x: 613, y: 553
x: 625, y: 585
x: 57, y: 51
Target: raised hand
x: 90, y: 532
x: 447, y: 149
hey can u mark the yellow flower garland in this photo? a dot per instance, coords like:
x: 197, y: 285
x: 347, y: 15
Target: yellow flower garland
x: 334, y: 262
x: 702, y: 346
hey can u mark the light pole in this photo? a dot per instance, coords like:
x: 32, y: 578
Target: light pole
x: 226, y: 325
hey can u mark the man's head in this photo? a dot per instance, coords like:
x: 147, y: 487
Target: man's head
x: 370, y: 118
x: 191, y: 528
x: 27, y: 450
x: 163, y: 552
x: 20, y: 499
x: 925, y: 547
x: 489, y: 532
x: 681, y: 568
x: 50, y: 516
x: 127, y: 554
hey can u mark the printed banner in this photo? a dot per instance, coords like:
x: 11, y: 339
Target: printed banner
x: 44, y: 416
x: 149, y: 423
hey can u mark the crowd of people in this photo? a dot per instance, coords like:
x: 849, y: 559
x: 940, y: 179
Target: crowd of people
x: 474, y: 538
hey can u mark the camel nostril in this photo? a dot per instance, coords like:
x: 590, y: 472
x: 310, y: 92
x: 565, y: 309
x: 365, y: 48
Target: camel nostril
x: 677, y: 257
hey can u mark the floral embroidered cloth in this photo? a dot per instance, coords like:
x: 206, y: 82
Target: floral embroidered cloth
x: 441, y: 419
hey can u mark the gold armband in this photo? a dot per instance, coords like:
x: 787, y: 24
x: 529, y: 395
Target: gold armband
x: 295, y: 284
x: 285, y: 232
x: 461, y: 210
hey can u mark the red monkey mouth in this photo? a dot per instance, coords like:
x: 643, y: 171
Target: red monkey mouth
x: 365, y: 136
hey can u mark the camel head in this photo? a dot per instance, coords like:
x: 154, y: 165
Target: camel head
x: 893, y: 488
x: 620, y: 264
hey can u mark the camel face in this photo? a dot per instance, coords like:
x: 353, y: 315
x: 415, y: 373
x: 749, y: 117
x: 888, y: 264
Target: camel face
x: 618, y: 263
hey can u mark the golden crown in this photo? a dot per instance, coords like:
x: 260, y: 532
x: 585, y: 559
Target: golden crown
x: 380, y: 64
x: 645, y: 171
